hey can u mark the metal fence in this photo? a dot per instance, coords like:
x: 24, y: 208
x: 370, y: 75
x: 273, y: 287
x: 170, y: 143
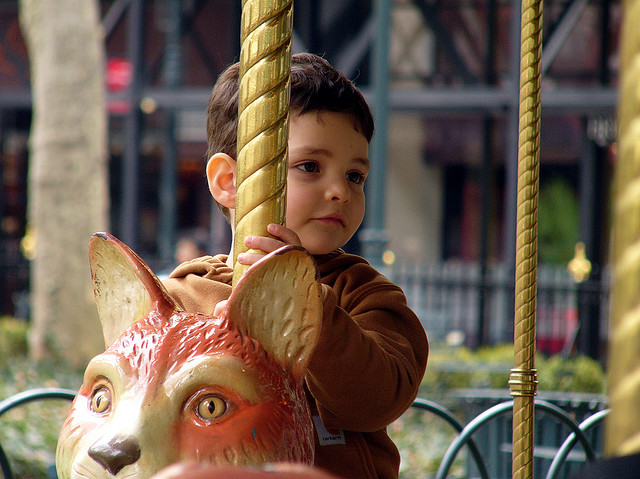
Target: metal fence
x: 455, y: 300
x: 459, y: 303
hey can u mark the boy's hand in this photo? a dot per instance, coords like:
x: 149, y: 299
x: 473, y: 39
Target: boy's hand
x: 217, y: 311
x: 282, y: 236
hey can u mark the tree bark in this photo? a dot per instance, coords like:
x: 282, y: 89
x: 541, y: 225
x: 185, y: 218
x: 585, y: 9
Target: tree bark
x: 68, y: 182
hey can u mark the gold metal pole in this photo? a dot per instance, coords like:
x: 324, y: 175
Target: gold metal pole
x: 622, y: 436
x: 263, y: 120
x: 522, y: 381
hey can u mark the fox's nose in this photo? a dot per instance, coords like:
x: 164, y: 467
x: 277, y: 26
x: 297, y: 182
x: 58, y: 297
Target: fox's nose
x: 119, y: 452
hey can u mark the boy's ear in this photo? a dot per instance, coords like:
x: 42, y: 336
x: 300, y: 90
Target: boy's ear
x: 221, y: 176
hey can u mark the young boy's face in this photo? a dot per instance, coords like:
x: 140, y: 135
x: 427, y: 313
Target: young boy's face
x: 328, y: 163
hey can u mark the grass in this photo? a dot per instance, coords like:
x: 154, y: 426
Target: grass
x: 422, y: 440
x: 29, y: 433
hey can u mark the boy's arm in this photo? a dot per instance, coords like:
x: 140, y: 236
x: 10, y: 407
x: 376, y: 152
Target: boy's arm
x: 372, y: 353
x: 371, y: 357
x: 198, y: 285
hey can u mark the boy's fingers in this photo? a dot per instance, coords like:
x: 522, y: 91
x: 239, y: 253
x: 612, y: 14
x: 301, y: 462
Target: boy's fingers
x: 263, y: 243
x: 285, y: 234
x: 248, y: 259
x: 217, y: 311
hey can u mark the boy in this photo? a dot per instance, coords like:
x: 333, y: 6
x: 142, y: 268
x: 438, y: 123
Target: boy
x: 372, y: 352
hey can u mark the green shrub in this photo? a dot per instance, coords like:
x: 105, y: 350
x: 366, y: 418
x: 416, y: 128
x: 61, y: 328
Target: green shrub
x: 575, y: 374
x: 490, y: 366
x: 458, y: 368
x: 13, y: 338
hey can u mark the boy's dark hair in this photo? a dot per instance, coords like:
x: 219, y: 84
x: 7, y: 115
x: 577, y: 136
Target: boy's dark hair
x: 315, y: 86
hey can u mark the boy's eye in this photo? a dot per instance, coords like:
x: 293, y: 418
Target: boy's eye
x: 308, y: 167
x: 355, y: 177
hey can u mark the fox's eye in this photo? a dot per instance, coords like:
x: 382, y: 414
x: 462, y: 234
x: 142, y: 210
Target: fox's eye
x: 101, y: 400
x: 211, y: 407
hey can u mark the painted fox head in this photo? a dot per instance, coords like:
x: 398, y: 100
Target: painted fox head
x: 176, y: 386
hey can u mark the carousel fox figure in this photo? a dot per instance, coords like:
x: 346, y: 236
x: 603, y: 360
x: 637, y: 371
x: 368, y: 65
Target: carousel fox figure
x: 175, y: 387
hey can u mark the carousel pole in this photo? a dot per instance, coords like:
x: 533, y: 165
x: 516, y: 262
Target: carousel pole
x: 263, y: 120
x: 622, y: 428
x: 523, y: 379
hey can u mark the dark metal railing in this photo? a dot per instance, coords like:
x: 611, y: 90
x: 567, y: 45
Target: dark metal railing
x: 456, y: 297
x: 576, y: 431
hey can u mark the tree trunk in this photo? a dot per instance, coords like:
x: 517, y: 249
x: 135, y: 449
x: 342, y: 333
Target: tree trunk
x: 67, y: 184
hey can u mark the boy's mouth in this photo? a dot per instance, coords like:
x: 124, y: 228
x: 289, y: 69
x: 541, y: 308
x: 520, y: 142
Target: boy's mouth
x: 333, y: 220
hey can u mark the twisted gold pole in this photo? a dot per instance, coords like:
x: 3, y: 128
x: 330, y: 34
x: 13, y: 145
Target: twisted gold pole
x: 263, y: 120
x: 523, y: 380
x: 622, y: 435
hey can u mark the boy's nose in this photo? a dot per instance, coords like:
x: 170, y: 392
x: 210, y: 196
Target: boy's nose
x: 338, y: 191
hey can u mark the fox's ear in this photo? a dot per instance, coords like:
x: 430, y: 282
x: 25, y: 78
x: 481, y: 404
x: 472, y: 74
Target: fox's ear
x: 278, y: 302
x: 125, y: 288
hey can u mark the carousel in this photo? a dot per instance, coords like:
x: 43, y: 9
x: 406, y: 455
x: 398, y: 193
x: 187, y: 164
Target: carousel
x: 261, y: 185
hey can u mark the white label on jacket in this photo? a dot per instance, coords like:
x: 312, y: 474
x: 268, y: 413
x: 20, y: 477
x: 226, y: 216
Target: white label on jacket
x: 327, y: 438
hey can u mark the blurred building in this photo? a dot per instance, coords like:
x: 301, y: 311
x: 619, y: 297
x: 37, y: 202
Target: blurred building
x: 451, y: 111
